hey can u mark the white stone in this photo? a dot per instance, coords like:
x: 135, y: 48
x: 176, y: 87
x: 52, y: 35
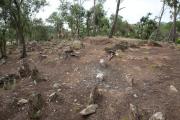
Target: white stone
x: 22, y: 101
x: 135, y: 96
x: 100, y: 76
x: 132, y: 108
x: 157, y: 116
x: 59, y: 90
x: 173, y: 88
x: 102, y: 61
x: 56, y: 85
x: 89, y: 110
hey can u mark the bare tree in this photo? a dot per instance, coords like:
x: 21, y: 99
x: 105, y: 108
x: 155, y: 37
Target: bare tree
x: 174, y: 20
x: 115, y: 19
x: 94, y: 18
x: 160, y: 18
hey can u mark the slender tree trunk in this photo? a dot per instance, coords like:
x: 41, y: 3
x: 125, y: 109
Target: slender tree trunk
x: 94, y: 19
x: 78, y: 27
x: 115, y: 20
x: 3, y: 44
x: 87, y: 26
x: 160, y: 18
x: 1, y: 48
x: 174, y: 21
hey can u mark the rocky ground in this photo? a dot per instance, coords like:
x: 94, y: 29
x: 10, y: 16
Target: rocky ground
x: 98, y: 79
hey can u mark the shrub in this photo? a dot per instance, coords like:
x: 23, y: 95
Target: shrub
x: 178, y: 41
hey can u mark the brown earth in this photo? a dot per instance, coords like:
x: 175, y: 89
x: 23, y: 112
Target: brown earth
x: 153, y: 70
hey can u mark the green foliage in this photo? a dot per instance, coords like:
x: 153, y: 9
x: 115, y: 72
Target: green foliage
x: 178, y: 41
x: 146, y: 27
x: 39, y: 31
x: 122, y: 28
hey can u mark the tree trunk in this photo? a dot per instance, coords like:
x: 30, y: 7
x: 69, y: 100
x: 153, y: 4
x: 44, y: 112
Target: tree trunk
x: 115, y: 20
x: 20, y: 26
x: 87, y: 26
x: 94, y: 19
x: 78, y: 27
x: 22, y: 41
x: 174, y: 21
x: 160, y: 18
x: 3, y: 44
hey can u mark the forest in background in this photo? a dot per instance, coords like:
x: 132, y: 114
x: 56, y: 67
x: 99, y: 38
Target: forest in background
x: 71, y: 20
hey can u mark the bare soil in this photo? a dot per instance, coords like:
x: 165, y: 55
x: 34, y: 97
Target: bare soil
x: 153, y: 70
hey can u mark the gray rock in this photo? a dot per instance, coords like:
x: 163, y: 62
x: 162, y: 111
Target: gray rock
x: 173, y: 88
x: 56, y: 85
x: 3, y: 61
x: 22, y: 101
x: 103, y: 63
x: 135, y: 96
x: 100, y: 76
x: 89, y: 110
x: 157, y: 116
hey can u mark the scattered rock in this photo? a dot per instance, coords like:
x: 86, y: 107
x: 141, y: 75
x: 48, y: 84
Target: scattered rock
x: 75, y: 100
x: 69, y: 52
x: 135, y: 96
x: 133, y: 108
x: 129, y: 90
x: 59, y: 90
x: 157, y: 116
x: 22, y: 101
x: 42, y: 57
x: 56, y: 85
x: 33, y: 46
x: 102, y: 62
x: 3, y: 61
x: 173, y: 88
x: 89, y: 110
x: 53, y: 97
x: 120, y: 46
x: 100, y: 76
x: 119, y: 53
